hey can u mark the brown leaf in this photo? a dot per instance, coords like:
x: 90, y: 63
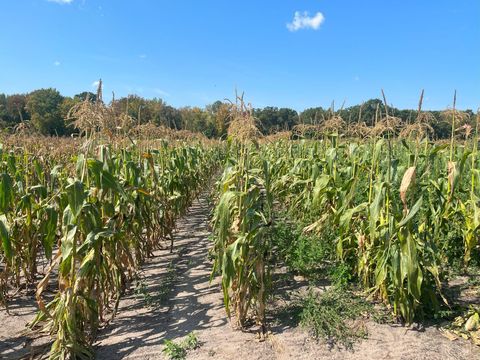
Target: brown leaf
x: 451, y: 168
x: 407, y: 181
x: 44, y: 283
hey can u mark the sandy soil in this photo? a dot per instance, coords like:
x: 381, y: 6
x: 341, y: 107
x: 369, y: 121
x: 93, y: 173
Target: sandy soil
x: 146, y: 319
x: 14, y: 338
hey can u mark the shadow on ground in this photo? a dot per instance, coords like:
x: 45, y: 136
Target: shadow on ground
x: 139, y: 325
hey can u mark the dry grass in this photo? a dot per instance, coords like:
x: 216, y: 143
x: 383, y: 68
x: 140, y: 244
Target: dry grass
x: 24, y: 128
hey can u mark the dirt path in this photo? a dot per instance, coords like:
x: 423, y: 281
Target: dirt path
x: 13, y: 334
x: 176, y: 298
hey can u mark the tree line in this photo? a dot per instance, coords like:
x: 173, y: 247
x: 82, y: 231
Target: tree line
x: 46, y: 111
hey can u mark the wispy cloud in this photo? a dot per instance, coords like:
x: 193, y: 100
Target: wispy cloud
x: 302, y: 20
x: 61, y: 1
x: 161, y: 92
x: 356, y: 78
x: 95, y: 83
x: 142, y: 56
x: 57, y: 63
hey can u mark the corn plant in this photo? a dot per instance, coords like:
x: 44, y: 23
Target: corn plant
x: 241, y: 221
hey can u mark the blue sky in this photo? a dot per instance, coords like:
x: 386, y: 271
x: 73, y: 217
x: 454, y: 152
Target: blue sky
x: 290, y: 53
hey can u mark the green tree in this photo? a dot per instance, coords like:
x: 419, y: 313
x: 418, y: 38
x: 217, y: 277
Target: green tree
x: 287, y: 118
x: 3, y: 110
x: 198, y: 120
x: 84, y: 95
x: 273, y: 119
x: 153, y: 110
x: 16, y: 107
x: 313, y: 116
x: 220, y: 115
x: 170, y: 117
x: 137, y: 107
x: 44, y: 106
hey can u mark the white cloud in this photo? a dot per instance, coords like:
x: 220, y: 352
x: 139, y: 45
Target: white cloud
x: 142, y: 56
x: 61, y: 1
x: 95, y: 84
x: 305, y: 21
x: 160, y: 92
x: 57, y: 63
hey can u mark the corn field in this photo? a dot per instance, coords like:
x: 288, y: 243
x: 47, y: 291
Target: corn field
x: 399, y: 211
x: 93, y: 218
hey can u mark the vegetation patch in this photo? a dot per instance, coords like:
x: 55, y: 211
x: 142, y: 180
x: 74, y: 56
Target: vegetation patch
x: 178, y: 350
x: 336, y: 315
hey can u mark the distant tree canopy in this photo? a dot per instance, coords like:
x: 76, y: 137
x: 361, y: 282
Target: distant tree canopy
x: 12, y: 109
x: 44, y: 108
x: 47, y: 111
x: 86, y: 95
x: 273, y: 119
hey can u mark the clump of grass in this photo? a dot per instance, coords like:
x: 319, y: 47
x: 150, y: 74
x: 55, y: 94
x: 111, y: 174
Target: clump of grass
x: 333, y: 314
x: 389, y: 125
x: 178, y: 350
x: 359, y: 130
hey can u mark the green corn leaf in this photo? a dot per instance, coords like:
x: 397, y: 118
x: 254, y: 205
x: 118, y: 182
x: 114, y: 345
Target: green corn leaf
x: 49, y: 227
x: 413, y: 211
x: 76, y: 197
x: 6, y: 240
x: 67, y: 242
x: 6, y: 192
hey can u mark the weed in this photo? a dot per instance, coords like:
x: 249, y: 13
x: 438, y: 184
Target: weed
x: 191, y: 341
x: 174, y: 351
x: 141, y: 292
x: 331, y: 315
x: 178, y: 350
x: 304, y: 254
x: 341, y: 274
x: 166, y: 284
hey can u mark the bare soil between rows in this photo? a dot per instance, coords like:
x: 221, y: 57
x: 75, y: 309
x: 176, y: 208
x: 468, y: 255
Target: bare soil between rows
x: 176, y: 298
